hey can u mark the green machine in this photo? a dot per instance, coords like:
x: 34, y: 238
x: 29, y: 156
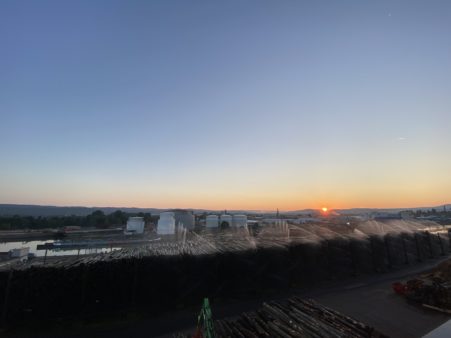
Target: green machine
x: 205, y: 328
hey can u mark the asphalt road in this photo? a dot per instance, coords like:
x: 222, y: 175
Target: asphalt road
x: 377, y: 305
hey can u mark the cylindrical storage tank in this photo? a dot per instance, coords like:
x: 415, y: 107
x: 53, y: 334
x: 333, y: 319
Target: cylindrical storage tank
x: 212, y: 221
x: 185, y: 218
x: 135, y: 225
x: 240, y: 221
x: 225, y: 221
x: 166, y: 224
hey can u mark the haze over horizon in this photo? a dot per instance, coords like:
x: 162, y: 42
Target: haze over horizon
x: 274, y: 210
x: 226, y: 105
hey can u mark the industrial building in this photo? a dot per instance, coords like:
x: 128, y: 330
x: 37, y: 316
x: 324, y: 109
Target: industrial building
x: 135, y: 225
x: 212, y: 221
x: 184, y: 218
x: 225, y: 221
x: 239, y: 221
x: 21, y: 253
x: 166, y: 223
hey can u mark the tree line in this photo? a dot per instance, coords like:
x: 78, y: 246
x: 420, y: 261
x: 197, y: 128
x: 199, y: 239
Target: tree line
x: 96, y: 219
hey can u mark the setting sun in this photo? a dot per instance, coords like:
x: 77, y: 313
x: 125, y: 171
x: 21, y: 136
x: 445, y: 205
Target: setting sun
x: 324, y: 209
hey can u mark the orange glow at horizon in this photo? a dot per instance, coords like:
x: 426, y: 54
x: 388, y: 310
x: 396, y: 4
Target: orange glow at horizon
x: 258, y: 198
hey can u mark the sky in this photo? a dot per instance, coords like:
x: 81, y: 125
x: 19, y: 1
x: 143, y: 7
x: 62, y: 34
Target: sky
x: 225, y: 104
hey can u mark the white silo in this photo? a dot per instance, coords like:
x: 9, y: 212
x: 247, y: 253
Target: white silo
x: 212, y: 221
x: 166, y: 224
x: 225, y: 221
x: 135, y: 225
x: 185, y: 217
x: 240, y: 221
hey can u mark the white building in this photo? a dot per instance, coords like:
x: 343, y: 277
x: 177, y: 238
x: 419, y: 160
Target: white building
x: 135, y: 225
x: 240, y: 221
x: 166, y: 224
x: 225, y: 221
x: 21, y: 253
x: 212, y: 221
x: 184, y: 217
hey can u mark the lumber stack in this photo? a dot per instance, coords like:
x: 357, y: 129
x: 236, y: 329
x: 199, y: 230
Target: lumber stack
x: 166, y: 275
x: 295, y: 318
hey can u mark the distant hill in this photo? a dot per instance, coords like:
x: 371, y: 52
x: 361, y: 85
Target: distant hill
x: 46, y: 210
x: 392, y: 210
x: 49, y: 210
x: 360, y: 211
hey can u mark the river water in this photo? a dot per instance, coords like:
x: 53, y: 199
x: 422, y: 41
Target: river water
x: 6, y: 246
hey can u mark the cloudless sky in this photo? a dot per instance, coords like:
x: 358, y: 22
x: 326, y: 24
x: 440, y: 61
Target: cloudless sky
x: 225, y: 104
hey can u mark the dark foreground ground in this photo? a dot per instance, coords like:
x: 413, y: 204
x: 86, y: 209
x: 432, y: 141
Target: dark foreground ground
x: 369, y: 299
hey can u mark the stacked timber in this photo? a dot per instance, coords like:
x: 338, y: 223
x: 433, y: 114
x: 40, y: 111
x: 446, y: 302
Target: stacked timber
x: 371, y: 247
x: 165, y: 275
x: 295, y: 318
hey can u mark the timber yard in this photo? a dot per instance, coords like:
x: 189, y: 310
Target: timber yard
x: 256, y: 275
x: 229, y: 274
x: 225, y: 169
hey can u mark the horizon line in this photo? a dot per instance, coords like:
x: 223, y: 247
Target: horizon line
x: 221, y: 209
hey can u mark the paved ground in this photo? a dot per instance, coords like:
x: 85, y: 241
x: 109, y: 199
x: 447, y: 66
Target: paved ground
x: 378, y: 306
x: 368, y: 298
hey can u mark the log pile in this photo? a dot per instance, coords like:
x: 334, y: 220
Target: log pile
x: 431, y: 289
x: 295, y: 318
x: 173, y: 274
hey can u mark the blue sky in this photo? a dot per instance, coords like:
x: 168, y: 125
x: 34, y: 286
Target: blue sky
x: 225, y: 104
